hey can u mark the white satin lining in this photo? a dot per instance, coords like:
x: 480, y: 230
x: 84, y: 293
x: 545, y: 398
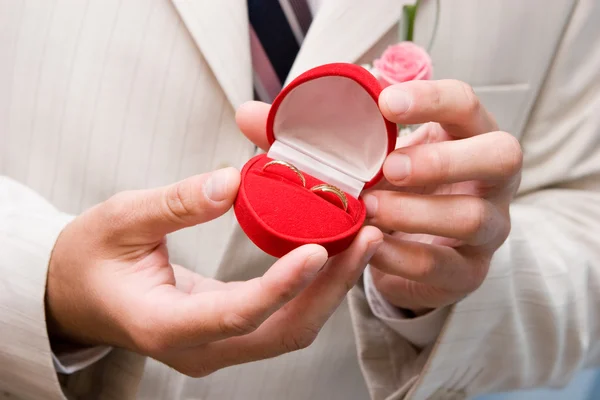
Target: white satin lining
x: 316, y: 168
x: 331, y: 128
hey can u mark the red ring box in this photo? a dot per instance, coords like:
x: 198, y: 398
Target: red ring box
x: 327, y: 123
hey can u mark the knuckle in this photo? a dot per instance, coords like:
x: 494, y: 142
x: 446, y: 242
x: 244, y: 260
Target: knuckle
x: 427, y: 265
x: 472, y: 105
x: 510, y: 154
x: 282, y: 293
x: 285, y: 294
x: 349, y: 284
x: 354, y: 273
x: 473, y: 280
x: 299, y: 340
x: 236, y: 324
x: 435, y: 96
x: 504, y: 229
x: 477, y: 217
x: 179, y: 202
x: 439, y: 165
x: 196, y: 370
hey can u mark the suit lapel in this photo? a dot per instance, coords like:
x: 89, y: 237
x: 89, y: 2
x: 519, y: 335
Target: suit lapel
x: 220, y: 30
x: 343, y: 30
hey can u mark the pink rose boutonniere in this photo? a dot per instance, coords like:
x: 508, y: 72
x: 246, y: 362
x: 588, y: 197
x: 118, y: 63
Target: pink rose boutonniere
x: 405, y: 61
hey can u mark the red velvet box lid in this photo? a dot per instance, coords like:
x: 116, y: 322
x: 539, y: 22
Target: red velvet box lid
x: 327, y: 123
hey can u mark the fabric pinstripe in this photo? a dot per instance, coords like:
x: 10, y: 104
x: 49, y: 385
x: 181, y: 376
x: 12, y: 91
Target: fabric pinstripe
x: 100, y: 96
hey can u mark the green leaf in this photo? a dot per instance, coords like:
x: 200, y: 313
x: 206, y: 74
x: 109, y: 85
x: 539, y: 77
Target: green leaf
x: 409, y: 14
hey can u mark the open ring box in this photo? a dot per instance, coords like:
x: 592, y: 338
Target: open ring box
x: 327, y: 123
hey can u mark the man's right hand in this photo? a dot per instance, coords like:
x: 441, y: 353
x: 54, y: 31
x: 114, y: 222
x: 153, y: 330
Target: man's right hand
x: 110, y: 282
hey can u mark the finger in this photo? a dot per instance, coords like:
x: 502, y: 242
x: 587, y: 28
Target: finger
x: 411, y: 295
x: 297, y: 325
x: 426, y: 133
x: 251, y: 118
x: 451, y: 103
x: 205, y: 317
x: 430, y: 132
x: 440, y: 266
x: 494, y: 156
x: 315, y: 305
x: 148, y: 215
x: 472, y: 220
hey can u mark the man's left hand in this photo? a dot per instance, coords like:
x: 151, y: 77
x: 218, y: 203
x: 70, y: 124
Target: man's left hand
x: 445, y: 203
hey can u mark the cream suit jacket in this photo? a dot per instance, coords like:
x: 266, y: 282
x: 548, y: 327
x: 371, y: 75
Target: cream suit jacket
x: 99, y: 96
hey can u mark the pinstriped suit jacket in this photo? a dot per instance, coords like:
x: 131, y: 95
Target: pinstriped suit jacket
x: 98, y: 96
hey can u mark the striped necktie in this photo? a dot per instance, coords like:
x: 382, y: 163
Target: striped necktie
x: 277, y: 29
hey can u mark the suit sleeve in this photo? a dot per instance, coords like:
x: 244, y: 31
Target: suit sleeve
x: 534, y: 322
x: 29, y: 227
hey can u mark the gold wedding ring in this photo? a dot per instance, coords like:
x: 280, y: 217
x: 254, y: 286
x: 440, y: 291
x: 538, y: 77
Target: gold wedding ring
x: 287, y: 165
x: 326, y: 188
x: 332, y: 189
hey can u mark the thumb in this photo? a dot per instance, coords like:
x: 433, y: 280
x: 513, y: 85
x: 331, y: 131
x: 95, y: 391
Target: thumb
x: 148, y: 215
x: 251, y: 118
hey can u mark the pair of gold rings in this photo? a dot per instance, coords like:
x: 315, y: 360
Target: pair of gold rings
x: 324, y: 187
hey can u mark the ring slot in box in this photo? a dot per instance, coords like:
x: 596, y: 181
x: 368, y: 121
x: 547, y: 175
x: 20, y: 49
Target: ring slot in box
x: 327, y: 123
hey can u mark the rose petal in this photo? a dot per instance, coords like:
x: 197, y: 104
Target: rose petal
x: 403, y: 62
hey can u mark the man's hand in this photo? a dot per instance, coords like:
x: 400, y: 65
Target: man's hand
x: 110, y: 282
x: 445, y: 205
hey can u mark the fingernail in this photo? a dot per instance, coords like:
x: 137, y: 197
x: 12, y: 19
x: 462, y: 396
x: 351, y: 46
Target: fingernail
x: 373, y: 246
x: 371, y: 204
x: 397, y: 100
x: 217, y: 188
x: 397, y: 167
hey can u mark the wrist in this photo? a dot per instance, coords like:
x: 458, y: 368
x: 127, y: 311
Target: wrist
x: 69, y: 312
x: 58, y: 330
